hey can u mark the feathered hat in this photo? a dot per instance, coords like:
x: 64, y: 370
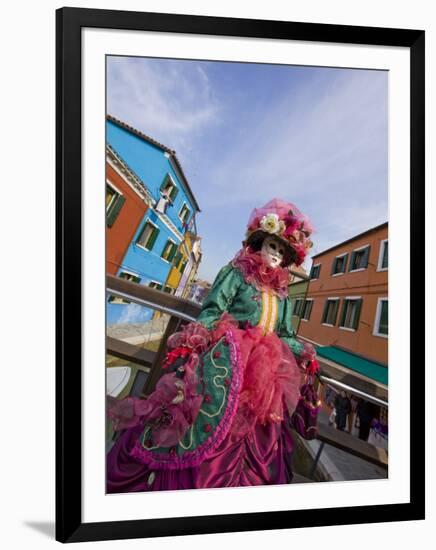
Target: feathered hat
x: 284, y: 221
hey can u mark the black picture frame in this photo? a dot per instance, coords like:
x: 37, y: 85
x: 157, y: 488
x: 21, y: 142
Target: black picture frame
x: 69, y: 22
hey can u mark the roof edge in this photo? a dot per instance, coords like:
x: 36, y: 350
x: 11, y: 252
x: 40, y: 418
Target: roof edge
x: 156, y: 143
x: 376, y: 228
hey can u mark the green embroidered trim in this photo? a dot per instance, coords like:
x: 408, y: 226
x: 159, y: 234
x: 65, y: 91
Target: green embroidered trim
x: 191, y: 439
x: 215, y: 383
x: 194, y: 435
x: 144, y: 433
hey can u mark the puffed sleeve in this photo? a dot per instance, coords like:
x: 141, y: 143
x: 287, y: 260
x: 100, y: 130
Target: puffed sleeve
x: 220, y: 296
x: 286, y: 331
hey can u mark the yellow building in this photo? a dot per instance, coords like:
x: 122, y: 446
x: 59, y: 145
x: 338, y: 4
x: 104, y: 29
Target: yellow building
x: 185, y: 264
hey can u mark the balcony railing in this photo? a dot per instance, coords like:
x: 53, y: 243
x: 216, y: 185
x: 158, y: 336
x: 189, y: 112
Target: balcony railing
x: 181, y: 311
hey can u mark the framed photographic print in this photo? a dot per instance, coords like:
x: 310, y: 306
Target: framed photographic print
x: 239, y: 207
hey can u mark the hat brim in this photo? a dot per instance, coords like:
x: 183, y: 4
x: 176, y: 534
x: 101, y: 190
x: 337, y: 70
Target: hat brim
x: 257, y: 236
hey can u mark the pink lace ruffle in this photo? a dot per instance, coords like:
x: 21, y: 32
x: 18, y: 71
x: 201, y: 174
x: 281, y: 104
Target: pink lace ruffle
x: 193, y: 336
x: 266, y: 380
x: 170, y: 409
x: 271, y: 380
x: 197, y: 456
x: 307, y: 360
x: 259, y: 274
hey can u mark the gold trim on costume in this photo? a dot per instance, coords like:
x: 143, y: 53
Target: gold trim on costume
x: 269, y: 314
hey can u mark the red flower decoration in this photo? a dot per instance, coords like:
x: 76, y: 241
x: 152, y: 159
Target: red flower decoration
x: 207, y: 428
x: 175, y: 354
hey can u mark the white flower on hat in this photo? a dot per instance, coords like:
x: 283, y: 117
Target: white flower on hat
x: 270, y: 223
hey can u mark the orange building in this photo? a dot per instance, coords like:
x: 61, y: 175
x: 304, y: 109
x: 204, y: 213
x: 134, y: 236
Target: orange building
x: 346, y: 307
x: 126, y: 203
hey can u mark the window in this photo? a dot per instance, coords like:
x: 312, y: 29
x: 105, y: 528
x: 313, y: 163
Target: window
x: 138, y: 384
x: 314, y: 272
x: 350, y: 313
x: 184, y: 213
x: 330, y: 313
x: 298, y: 306
x: 183, y: 265
x: 169, y: 290
x: 383, y: 256
x: 155, y: 284
x: 128, y: 277
x: 148, y: 236
x: 114, y: 203
x: 177, y: 259
x: 169, y: 251
x: 169, y: 188
x: 339, y: 264
x: 359, y: 258
x: 381, y: 324
x: 111, y: 196
x: 307, y: 310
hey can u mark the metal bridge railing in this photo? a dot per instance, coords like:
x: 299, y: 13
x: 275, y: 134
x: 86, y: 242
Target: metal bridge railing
x: 181, y: 311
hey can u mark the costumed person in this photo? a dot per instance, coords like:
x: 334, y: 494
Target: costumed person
x: 221, y: 413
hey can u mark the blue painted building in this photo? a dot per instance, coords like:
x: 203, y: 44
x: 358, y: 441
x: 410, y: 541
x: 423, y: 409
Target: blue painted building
x: 156, y: 242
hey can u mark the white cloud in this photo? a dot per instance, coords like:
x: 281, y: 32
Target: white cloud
x: 171, y: 102
x: 322, y: 144
x: 132, y: 313
x: 326, y: 150
x: 324, y: 138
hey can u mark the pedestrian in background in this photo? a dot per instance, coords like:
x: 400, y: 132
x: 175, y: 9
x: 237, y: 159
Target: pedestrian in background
x: 354, y: 402
x: 366, y: 412
x: 343, y: 408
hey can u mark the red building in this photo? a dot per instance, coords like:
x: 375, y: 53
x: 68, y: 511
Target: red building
x: 127, y: 200
x: 347, y: 299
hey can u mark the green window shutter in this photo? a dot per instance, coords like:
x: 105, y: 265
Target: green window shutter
x: 344, y: 269
x: 385, y: 255
x: 335, y: 312
x: 309, y: 304
x: 343, y: 312
x: 173, y: 193
x: 296, y: 309
x: 314, y: 272
x: 310, y: 309
x: 383, y: 327
x: 115, y: 210
x: 333, y: 269
x: 366, y: 257
x: 324, y: 313
x: 357, y: 315
x: 163, y: 184
x: 153, y: 238
x: 177, y: 258
x: 165, y: 248
x: 350, y: 267
x: 172, y: 253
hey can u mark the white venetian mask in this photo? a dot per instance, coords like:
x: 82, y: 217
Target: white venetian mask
x: 272, y: 251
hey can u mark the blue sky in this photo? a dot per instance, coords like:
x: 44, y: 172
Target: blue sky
x: 246, y: 133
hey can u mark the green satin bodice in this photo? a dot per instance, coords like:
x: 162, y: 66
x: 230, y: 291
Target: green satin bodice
x: 230, y: 293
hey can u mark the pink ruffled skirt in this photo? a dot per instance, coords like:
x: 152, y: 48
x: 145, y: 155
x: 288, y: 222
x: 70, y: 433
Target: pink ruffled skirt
x: 257, y: 449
